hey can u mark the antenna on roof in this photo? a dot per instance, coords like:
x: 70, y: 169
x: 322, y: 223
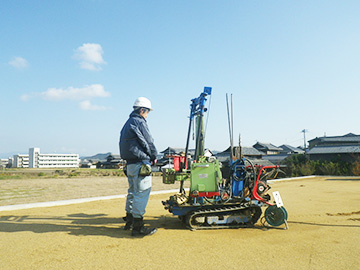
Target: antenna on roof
x: 304, y: 131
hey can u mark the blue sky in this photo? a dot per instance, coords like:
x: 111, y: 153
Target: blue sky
x: 71, y: 70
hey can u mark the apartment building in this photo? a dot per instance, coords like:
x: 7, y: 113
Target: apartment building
x: 21, y: 161
x: 35, y: 159
x: 39, y: 160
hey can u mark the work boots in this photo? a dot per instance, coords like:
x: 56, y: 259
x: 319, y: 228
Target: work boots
x: 129, y: 221
x: 140, y: 230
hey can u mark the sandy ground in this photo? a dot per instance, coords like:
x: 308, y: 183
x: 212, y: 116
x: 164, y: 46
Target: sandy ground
x: 324, y: 233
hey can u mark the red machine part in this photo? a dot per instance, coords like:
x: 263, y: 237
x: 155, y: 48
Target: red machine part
x: 208, y: 194
x: 255, y: 194
x: 178, y: 161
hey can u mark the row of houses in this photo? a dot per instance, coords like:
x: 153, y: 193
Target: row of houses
x: 260, y: 153
x: 345, y: 148
x: 110, y: 161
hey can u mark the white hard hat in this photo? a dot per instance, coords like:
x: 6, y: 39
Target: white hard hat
x: 143, y: 102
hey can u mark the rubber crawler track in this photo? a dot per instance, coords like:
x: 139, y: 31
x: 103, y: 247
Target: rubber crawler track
x: 226, y: 210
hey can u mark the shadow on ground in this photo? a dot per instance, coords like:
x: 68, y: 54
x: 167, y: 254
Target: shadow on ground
x: 82, y: 224
x: 102, y: 225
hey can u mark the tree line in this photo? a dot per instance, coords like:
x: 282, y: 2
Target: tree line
x: 301, y: 165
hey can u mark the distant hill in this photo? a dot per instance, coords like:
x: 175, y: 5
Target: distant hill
x: 99, y: 156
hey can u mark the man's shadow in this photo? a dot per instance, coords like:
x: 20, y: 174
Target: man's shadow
x: 82, y: 224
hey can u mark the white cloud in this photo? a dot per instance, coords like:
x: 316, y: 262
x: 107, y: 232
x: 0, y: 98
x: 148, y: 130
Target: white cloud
x: 25, y: 97
x: 19, y: 62
x: 83, y: 95
x: 90, y: 56
x: 87, y: 106
x: 72, y: 93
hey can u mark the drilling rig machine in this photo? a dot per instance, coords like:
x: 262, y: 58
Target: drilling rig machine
x: 220, y: 196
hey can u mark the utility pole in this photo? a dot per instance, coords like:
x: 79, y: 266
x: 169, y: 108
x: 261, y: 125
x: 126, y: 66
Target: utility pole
x: 304, y: 131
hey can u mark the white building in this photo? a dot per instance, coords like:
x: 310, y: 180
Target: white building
x: 21, y: 161
x: 38, y: 160
x: 6, y: 162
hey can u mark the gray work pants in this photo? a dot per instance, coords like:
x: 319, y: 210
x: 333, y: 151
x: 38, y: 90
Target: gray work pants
x: 138, y: 192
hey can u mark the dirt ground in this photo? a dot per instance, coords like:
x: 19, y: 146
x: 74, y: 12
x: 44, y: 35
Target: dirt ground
x: 324, y: 231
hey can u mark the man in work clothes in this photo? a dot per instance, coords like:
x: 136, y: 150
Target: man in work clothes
x: 137, y: 148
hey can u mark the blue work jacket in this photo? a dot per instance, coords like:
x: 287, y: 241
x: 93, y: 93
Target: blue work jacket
x: 136, y: 143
